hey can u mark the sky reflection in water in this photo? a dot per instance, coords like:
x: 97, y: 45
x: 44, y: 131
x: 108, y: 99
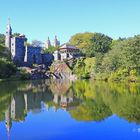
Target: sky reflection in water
x: 53, y: 110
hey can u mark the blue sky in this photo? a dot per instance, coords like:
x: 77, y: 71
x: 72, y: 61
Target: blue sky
x: 38, y: 19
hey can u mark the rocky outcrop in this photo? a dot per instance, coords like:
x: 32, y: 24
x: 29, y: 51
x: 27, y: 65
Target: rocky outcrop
x: 58, y: 70
x: 61, y: 70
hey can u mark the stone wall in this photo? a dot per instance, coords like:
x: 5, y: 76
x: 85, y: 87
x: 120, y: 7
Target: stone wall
x: 28, y: 55
x: 18, y: 49
x: 47, y: 59
x: 33, y: 55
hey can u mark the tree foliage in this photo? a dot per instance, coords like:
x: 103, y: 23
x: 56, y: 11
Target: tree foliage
x: 101, y: 99
x: 37, y: 43
x: 15, y: 34
x: 2, y: 39
x: 121, y: 61
x: 51, y: 49
x: 7, y: 68
x: 91, y: 43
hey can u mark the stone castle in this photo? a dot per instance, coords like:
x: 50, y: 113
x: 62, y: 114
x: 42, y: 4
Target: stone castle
x: 23, y: 55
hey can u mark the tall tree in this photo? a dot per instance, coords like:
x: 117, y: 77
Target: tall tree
x: 91, y: 43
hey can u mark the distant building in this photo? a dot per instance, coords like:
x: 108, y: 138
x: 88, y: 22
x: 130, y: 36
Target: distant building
x: 48, y: 43
x: 56, y: 42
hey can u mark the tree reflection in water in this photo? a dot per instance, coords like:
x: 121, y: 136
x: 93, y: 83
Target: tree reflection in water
x: 84, y: 100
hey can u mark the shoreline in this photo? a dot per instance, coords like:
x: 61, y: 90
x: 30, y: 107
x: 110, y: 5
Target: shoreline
x: 70, y: 79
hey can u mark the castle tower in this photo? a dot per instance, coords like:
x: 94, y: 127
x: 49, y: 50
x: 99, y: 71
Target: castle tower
x: 48, y: 43
x: 8, y: 35
x: 56, y: 42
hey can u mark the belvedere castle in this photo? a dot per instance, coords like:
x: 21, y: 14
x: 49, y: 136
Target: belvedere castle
x: 23, y: 55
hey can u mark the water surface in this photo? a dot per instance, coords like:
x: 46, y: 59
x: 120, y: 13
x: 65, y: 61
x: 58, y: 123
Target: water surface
x: 63, y: 110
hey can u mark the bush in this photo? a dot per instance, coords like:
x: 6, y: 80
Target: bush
x: 24, y: 75
x: 7, y: 69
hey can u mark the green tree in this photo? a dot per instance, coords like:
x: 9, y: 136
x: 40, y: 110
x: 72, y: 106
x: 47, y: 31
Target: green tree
x: 7, y: 68
x: 51, y: 49
x: 122, y: 61
x: 15, y: 34
x: 131, y: 52
x: 91, y: 43
x: 37, y: 43
x: 2, y: 39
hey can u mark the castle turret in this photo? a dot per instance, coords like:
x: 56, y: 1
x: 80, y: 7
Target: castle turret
x: 56, y: 42
x: 8, y: 35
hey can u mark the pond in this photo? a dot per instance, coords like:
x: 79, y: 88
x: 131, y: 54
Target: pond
x: 64, y: 110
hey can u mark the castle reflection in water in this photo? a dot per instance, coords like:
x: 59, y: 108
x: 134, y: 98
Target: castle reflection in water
x: 83, y: 100
x: 34, y: 96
